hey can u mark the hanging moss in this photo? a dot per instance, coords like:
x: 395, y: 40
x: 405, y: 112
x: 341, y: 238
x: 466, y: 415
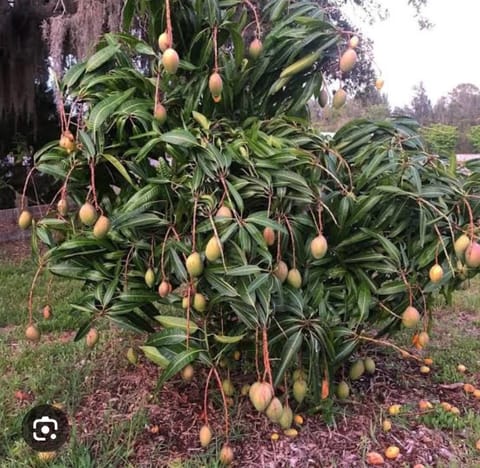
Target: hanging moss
x: 35, y: 34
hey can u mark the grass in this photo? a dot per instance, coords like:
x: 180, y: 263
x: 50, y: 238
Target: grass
x: 57, y: 370
x: 53, y: 370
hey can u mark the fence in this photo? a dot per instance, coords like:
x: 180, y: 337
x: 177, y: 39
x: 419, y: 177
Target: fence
x: 9, y: 230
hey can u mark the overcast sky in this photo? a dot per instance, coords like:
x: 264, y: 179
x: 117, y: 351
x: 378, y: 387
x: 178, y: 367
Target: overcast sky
x: 442, y: 57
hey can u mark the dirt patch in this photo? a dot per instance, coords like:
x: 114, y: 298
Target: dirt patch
x: 15, y: 251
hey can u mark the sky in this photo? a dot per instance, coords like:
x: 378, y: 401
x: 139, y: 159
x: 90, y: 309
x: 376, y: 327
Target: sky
x: 441, y: 57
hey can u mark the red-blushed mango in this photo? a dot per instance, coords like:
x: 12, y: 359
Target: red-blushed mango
x: 374, y: 458
x: 32, y: 333
x: 423, y: 339
x: 269, y: 236
x: 164, y: 288
x: 255, y: 48
x: 160, y: 113
x: 472, y: 255
x: 410, y: 317
x: 47, y: 312
x: 92, y: 338
x: 226, y: 455
x: 281, y: 271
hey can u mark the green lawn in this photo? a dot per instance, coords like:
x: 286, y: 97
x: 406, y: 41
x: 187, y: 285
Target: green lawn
x: 56, y: 370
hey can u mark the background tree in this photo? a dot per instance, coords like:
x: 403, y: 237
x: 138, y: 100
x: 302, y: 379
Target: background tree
x: 474, y: 137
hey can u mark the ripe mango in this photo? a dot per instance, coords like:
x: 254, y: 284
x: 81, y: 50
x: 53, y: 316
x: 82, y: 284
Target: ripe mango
x: 199, y: 302
x: 92, y: 338
x: 215, y: 84
x: 32, y: 333
x: 25, y: 219
x: 160, y: 113
x: 318, y: 246
x: 255, y: 48
x: 194, y: 264
x: 170, y: 61
x: 281, y: 271
x: 294, y: 278
x: 101, y: 228
x: 163, y: 43
x: 261, y: 394
x: 410, y: 317
x: 87, y: 214
x: 472, y: 255
x: 213, y: 250
x: 339, y: 98
x: 205, y: 435
x: 348, y: 60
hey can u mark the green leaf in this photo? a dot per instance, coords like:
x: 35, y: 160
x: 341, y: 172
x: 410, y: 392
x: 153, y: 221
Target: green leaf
x: 244, y: 270
x: 177, y: 322
x: 105, y: 109
x: 290, y: 350
x: 167, y: 337
x: 179, y: 137
x: 118, y: 166
x: 73, y: 74
x: 127, y: 14
x: 154, y: 355
x: 176, y: 365
x: 364, y: 299
x: 101, y: 57
x: 225, y: 339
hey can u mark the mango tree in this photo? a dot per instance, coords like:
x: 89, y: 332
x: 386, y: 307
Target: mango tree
x: 200, y: 206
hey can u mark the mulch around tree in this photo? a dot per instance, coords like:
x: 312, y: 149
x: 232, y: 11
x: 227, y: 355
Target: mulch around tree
x: 174, y: 416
